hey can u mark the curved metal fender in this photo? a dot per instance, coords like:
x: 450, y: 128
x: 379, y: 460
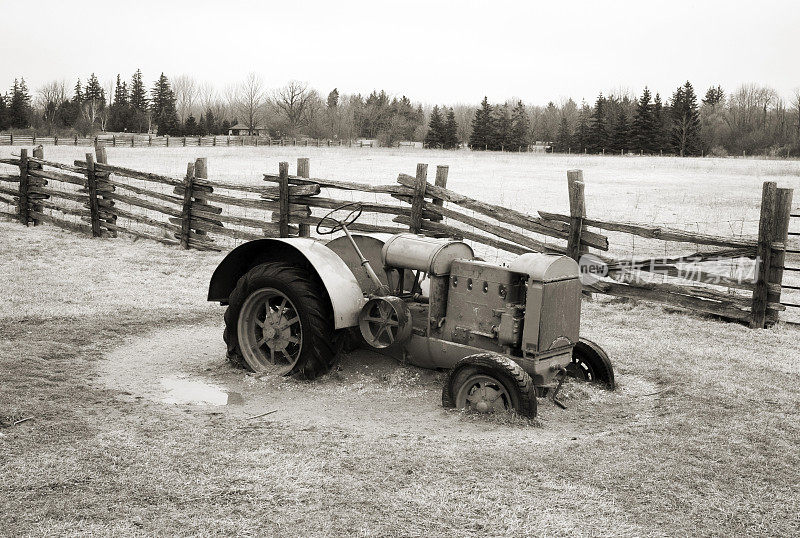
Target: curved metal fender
x: 342, y: 287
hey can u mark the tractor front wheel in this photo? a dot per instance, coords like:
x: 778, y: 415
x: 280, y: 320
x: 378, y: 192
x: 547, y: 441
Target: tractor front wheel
x: 489, y: 383
x: 590, y: 363
x: 279, y: 321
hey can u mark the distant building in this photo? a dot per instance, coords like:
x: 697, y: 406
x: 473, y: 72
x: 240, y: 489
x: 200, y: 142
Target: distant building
x: 242, y: 130
x: 540, y: 147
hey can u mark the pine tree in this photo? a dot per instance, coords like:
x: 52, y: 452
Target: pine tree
x: 582, y: 133
x: 564, y: 139
x: 120, y: 93
x: 714, y: 96
x: 500, y: 136
x: 138, y: 97
x: 190, y: 128
x: 685, y: 121
x: 120, y: 112
x: 94, y: 92
x: 481, y: 126
x: 78, y: 96
x: 19, y: 110
x: 659, y: 143
x: 434, y: 138
x: 162, y: 107
x: 210, y: 125
x: 450, y: 130
x: 138, y: 103
x: 333, y: 98
x: 69, y: 111
x: 598, y: 130
x: 4, y: 119
x: 520, y: 128
x: 643, y: 130
x: 94, y: 101
x: 620, y: 137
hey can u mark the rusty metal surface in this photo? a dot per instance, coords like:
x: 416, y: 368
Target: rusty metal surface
x: 426, y: 254
x: 340, y: 283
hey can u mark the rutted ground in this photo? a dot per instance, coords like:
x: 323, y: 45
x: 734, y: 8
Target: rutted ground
x: 700, y: 438
x: 367, y: 392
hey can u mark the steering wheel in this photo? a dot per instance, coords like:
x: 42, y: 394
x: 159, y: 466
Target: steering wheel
x: 328, y: 225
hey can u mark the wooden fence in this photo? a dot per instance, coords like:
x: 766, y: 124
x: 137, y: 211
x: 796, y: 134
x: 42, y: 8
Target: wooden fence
x: 193, y: 211
x: 143, y: 141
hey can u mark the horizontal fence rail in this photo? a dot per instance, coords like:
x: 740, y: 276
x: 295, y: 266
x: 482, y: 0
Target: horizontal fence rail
x: 191, y: 210
x: 143, y: 141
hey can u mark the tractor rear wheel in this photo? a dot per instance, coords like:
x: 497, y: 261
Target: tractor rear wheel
x: 489, y: 383
x: 279, y: 321
x: 590, y: 363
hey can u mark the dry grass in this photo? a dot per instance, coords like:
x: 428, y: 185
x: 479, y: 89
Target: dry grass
x: 700, y: 438
x: 713, y: 194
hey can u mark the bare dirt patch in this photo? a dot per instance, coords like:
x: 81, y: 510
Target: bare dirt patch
x: 367, y: 392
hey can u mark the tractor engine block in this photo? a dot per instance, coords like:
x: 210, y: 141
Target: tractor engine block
x: 485, y: 306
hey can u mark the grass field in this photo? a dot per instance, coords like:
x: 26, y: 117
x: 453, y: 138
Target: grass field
x: 700, y: 437
x: 710, y: 195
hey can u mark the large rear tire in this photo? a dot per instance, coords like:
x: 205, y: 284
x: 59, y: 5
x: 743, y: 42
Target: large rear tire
x: 488, y: 383
x: 279, y: 320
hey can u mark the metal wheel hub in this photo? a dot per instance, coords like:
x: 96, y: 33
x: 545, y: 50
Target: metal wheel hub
x: 579, y: 369
x: 484, y: 394
x: 385, y: 321
x: 270, y: 333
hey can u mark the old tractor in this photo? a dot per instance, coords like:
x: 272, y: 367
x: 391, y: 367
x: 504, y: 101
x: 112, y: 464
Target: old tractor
x: 505, y: 334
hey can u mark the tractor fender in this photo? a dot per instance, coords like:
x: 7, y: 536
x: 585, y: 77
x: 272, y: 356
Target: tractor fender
x: 340, y: 283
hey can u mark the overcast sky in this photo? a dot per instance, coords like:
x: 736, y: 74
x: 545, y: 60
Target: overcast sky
x: 435, y: 52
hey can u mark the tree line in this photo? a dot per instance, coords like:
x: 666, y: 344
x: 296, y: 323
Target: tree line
x: 751, y: 119
x: 182, y: 107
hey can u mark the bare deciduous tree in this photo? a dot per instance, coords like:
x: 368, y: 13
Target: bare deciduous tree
x: 48, y: 98
x: 796, y: 105
x: 186, y: 92
x: 247, y: 101
x: 294, y: 101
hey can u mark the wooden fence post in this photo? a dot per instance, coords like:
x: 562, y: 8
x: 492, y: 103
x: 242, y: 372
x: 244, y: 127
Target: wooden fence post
x: 201, y: 172
x: 441, y: 181
x: 23, y: 186
x: 34, y: 198
x: 780, y: 235
x: 91, y: 184
x: 577, y: 212
x: 283, y: 199
x: 108, y: 214
x: 304, y: 170
x: 186, y: 212
x: 418, y: 202
x: 758, y: 309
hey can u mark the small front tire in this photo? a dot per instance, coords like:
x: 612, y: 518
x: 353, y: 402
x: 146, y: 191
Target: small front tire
x: 590, y: 363
x: 490, y: 383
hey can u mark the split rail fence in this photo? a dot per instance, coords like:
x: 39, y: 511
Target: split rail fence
x: 98, y: 198
x: 143, y: 141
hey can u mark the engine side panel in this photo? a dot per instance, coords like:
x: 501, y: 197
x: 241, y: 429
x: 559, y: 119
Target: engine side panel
x: 478, y: 296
